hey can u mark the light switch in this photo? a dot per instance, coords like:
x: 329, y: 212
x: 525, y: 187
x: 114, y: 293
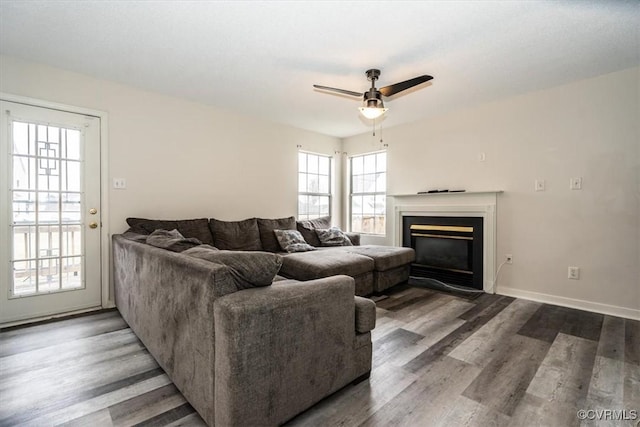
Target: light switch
x: 539, y: 185
x: 119, y: 183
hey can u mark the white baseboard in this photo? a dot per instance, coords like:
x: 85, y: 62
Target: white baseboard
x: 612, y: 310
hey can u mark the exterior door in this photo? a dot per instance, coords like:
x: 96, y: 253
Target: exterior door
x: 50, y: 214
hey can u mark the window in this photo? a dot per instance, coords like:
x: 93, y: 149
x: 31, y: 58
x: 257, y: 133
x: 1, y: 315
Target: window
x: 368, y: 193
x: 314, y: 185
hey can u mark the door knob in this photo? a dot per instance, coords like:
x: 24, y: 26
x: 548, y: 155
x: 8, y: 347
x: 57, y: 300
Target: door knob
x: 93, y: 211
x: 93, y: 225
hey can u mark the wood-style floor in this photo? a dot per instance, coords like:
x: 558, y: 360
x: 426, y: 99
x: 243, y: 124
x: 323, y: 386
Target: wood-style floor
x: 439, y: 360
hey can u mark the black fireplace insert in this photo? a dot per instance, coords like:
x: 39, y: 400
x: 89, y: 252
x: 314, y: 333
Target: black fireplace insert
x: 448, y: 249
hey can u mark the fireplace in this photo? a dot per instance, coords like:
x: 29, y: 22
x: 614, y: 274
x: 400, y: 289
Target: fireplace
x: 448, y: 249
x: 480, y: 205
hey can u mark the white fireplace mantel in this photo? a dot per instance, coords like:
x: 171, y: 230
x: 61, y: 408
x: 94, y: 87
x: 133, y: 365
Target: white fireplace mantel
x: 464, y: 204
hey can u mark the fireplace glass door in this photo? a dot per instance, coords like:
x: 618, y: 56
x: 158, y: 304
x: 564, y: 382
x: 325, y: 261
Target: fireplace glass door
x: 448, y: 249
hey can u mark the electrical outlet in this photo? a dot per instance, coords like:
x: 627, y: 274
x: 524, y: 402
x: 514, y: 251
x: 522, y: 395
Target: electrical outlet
x: 574, y: 273
x: 482, y: 157
x: 539, y: 185
x: 575, y: 183
x: 508, y: 258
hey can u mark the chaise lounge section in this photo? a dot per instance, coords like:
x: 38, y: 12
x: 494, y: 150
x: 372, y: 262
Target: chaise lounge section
x: 389, y: 265
x: 325, y: 263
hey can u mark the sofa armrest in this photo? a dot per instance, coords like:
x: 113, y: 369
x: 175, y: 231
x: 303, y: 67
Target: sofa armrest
x: 282, y: 348
x: 365, y: 315
x: 167, y: 300
x: 354, y: 237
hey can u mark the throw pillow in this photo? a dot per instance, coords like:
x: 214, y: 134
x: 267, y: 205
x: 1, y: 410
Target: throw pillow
x: 136, y: 237
x: 307, y: 227
x: 354, y: 237
x: 333, y: 237
x: 266, y: 226
x: 292, y: 241
x: 236, y: 235
x: 172, y: 240
x: 198, y: 228
x: 248, y: 269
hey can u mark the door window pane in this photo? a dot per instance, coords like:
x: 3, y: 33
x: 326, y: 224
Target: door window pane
x: 71, y: 240
x: 71, y: 144
x: 24, y: 242
x: 48, y: 207
x: 46, y: 200
x: 24, y: 173
x: 24, y: 277
x: 71, y: 176
x: 48, y: 274
x: 24, y: 207
x: 71, y: 273
x: 71, y: 207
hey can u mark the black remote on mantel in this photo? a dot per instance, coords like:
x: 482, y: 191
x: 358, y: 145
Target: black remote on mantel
x: 441, y: 191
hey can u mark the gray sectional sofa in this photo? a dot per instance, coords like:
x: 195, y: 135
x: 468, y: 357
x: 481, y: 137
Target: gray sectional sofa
x: 374, y: 268
x: 244, y: 345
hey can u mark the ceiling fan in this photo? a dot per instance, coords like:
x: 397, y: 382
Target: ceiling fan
x: 373, y: 107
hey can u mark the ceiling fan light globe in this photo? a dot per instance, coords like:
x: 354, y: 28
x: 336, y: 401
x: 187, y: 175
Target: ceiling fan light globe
x: 372, y: 113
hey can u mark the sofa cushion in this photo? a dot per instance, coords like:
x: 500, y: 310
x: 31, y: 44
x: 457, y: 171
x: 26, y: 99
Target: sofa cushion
x: 332, y: 237
x: 267, y: 236
x: 248, y: 269
x: 236, y: 235
x: 198, y: 228
x: 324, y: 263
x: 365, y: 315
x: 292, y: 241
x: 172, y: 240
x: 307, y: 228
x: 384, y: 257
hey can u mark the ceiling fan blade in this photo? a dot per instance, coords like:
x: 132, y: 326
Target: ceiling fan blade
x: 399, y: 87
x: 333, y: 89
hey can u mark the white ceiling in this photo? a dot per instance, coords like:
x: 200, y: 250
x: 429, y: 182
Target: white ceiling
x: 262, y: 57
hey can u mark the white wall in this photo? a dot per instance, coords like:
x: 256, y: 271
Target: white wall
x: 181, y: 159
x: 587, y: 129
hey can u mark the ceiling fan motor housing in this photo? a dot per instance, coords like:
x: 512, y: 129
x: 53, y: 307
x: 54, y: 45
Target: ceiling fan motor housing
x: 373, y: 98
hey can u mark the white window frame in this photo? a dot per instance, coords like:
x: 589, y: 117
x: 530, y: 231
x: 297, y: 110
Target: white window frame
x: 308, y: 193
x: 353, y: 194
